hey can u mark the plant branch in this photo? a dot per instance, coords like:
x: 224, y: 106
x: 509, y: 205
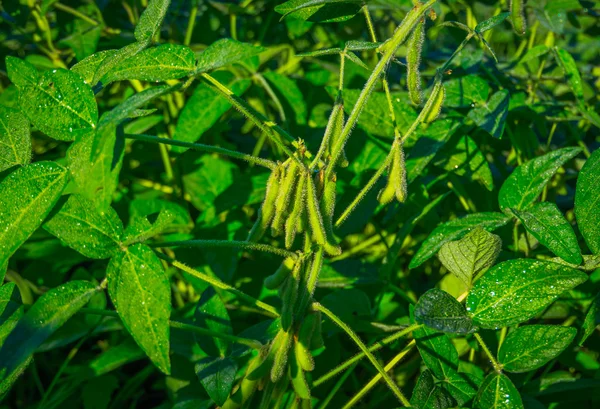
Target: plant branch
x: 246, y: 245
x: 495, y: 364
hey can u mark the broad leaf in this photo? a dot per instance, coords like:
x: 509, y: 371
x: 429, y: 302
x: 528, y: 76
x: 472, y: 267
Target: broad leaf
x: 15, y: 142
x: 498, y: 392
x: 428, y: 395
x: 569, y: 66
x: 472, y: 255
x: 211, y: 314
x: 48, y: 314
x: 165, y: 62
x: 225, y: 52
x: 151, y: 19
x: 492, y: 116
x: 320, y: 10
x: 88, y: 66
x: 141, y: 229
x: 454, y: 230
x: 467, y: 91
x: 532, y: 346
x: 525, y: 184
x: 465, y: 158
x: 103, y: 62
x: 60, y: 104
x: 82, y: 227
x: 437, y: 351
x: 139, y: 288
x: 587, y: 205
x: 547, y: 224
x: 491, y: 22
x: 516, y: 290
x: 26, y: 196
x: 592, y: 320
x: 21, y: 73
x: 217, y: 376
x: 439, y: 310
x: 11, y: 309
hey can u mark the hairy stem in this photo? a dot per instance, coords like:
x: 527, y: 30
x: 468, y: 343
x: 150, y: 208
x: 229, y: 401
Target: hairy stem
x: 247, y: 245
x: 495, y: 364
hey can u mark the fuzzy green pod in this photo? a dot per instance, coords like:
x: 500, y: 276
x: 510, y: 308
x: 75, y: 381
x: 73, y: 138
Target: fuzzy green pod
x: 315, y: 220
x: 247, y: 386
x: 303, y: 355
x: 433, y: 106
x: 294, y: 219
x: 284, y: 196
x: 313, y: 271
x: 273, y: 281
x: 316, y: 341
x: 297, y: 377
x: 517, y: 15
x: 328, y: 207
x: 396, y: 183
x: 281, y: 356
x: 267, y: 210
x: 413, y: 59
x: 289, y: 296
x: 266, y: 364
x: 337, y: 132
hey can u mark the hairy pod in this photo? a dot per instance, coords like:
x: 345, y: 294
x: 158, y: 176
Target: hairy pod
x: 413, y: 59
x: 266, y: 365
x: 292, y: 222
x: 297, y: 377
x: 315, y: 220
x: 433, y: 106
x: 289, y: 297
x: 396, y: 183
x: 281, y: 356
x: 273, y: 281
x: 303, y: 355
x: 284, y: 196
x: 517, y: 15
x: 247, y: 386
x: 267, y: 210
x: 310, y: 281
x: 337, y: 132
x: 328, y: 207
x: 316, y: 341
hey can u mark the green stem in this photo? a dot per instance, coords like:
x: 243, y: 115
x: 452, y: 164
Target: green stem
x: 75, y: 13
x: 495, y: 364
x: 246, y: 245
x: 336, y: 387
x: 373, y: 348
x: 191, y: 23
x: 356, y: 398
x: 219, y: 284
x: 271, y: 94
x: 392, y: 385
x: 204, y: 148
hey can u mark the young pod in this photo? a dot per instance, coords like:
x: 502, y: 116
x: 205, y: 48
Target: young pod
x: 297, y: 377
x: 303, y: 355
x: 328, y: 207
x: 289, y: 297
x: 247, y: 386
x: 281, y: 356
x: 294, y: 219
x: 261, y: 370
x: 273, y: 281
x: 310, y: 281
x: 316, y: 340
x: 284, y: 196
x: 315, y: 221
x: 337, y: 132
x: 517, y: 16
x: 267, y: 210
x: 413, y: 59
x: 433, y: 106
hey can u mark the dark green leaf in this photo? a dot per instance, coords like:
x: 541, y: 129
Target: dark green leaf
x: 225, y: 52
x: 498, y: 392
x: 82, y: 227
x: 546, y: 223
x: 439, y: 310
x: 592, y: 320
x: 11, y: 309
x: 532, y: 346
x: 217, y: 376
x: 88, y: 66
x: 151, y: 19
x: 211, y: 314
x: 587, y: 205
x: 140, y: 290
x: 21, y: 73
x: 491, y: 116
x: 26, y: 196
x: 141, y: 229
x: 516, y: 290
x: 465, y: 158
x: 569, y: 66
x: 320, y: 10
x: 491, y: 22
x: 525, y: 184
x: 428, y: 395
x: 438, y: 352
x: 454, y: 230
x: 472, y: 255
x: 15, y: 142
x: 48, y: 314
x: 467, y: 91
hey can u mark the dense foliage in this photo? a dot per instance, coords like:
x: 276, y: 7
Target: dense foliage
x: 311, y: 203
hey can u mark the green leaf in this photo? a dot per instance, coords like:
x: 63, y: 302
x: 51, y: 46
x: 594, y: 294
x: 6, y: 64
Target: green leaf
x: 427, y: 394
x: 491, y: 22
x: 204, y: 108
x: 88, y: 66
x: 60, y: 104
x: 439, y: 310
x: 292, y: 95
x: 48, y: 314
x: 141, y: 229
x: 492, y: 116
x: 326, y: 11
x: 79, y: 225
x: 472, y: 255
x: 145, y: 208
x: 84, y: 36
x: 517, y: 290
x: 217, y: 375
x: 11, y: 309
x: 151, y: 20
x: 106, y: 62
x: 21, y: 73
x: 465, y: 158
x: 161, y: 63
x: 534, y: 52
x: 569, y: 67
x: 525, y: 184
x: 15, y: 142
x: 225, y: 52
x: 587, y: 205
x: 532, y: 346
x: 454, y: 230
x: 437, y: 351
x: 547, y: 224
x: 592, y: 320
x: 467, y: 91
x: 139, y: 288
x: 26, y: 196
x: 211, y: 314
x: 498, y: 392
x: 462, y: 386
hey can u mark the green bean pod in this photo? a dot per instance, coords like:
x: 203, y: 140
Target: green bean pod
x: 293, y: 220
x: 247, y: 386
x: 433, y: 106
x: 398, y: 170
x: 297, y: 377
x: 517, y: 15
x: 314, y: 214
x: 273, y: 281
x: 267, y: 210
x: 289, y: 297
x: 281, y: 356
x: 284, y: 196
x: 303, y: 355
x: 413, y: 59
x: 267, y: 363
x: 310, y: 280
x: 316, y: 341
x: 328, y: 207
x: 337, y: 132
